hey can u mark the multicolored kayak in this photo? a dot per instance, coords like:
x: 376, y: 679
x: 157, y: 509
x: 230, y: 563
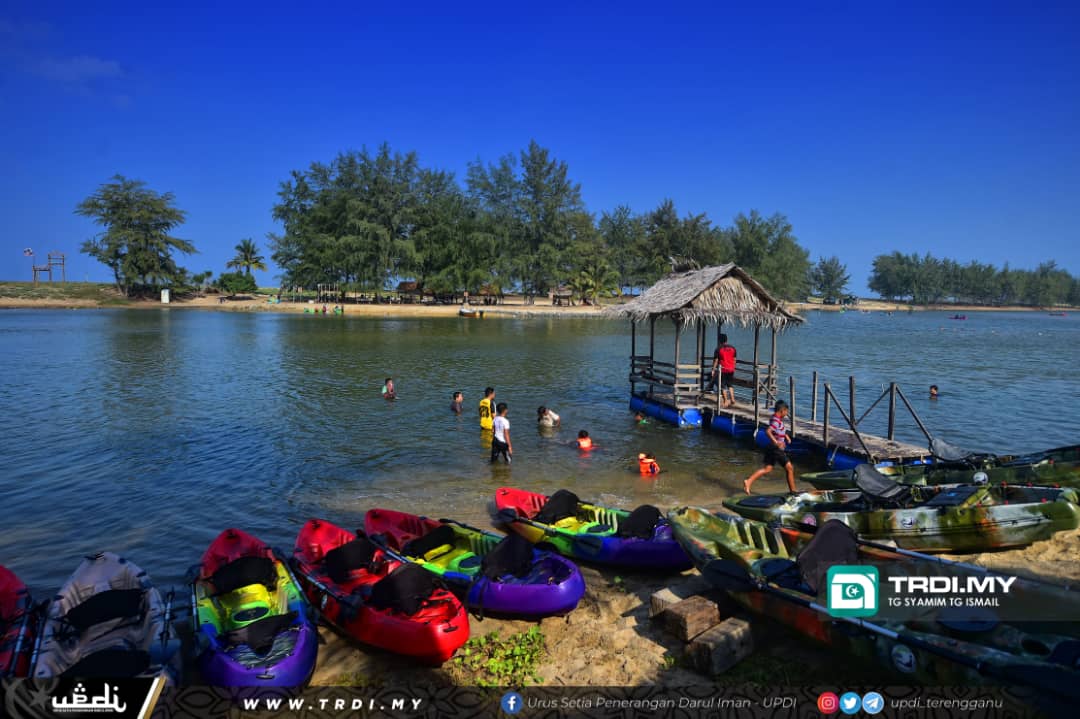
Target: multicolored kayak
x: 1060, y: 466
x: 640, y: 539
x: 489, y: 571
x: 108, y: 620
x: 780, y: 573
x: 945, y: 518
x: 250, y: 617
x: 375, y: 599
x: 19, y: 625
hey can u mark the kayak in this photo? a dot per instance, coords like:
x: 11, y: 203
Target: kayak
x: 640, y: 539
x: 375, y: 599
x: 490, y: 572
x: 251, y: 621
x: 1060, y: 466
x: 945, y: 518
x: 779, y: 573
x: 107, y: 620
x: 19, y: 625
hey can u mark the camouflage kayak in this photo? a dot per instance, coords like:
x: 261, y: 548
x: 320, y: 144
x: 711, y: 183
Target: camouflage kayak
x: 1059, y: 466
x: 945, y: 518
x: 779, y: 573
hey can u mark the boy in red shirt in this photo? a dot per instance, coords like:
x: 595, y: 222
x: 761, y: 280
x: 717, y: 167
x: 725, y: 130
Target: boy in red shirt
x: 774, y: 453
x: 724, y: 365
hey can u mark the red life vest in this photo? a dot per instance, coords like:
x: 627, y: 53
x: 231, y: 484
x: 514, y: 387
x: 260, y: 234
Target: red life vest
x: 647, y: 465
x: 584, y: 443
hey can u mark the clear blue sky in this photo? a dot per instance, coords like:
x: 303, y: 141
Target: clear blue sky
x: 951, y: 128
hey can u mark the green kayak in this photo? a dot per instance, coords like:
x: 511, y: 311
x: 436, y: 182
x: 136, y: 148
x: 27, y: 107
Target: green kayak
x: 945, y: 518
x: 1059, y: 466
x: 778, y: 572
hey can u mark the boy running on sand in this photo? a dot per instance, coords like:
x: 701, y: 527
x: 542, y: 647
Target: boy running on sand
x: 774, y: 453
x: 500, y: 440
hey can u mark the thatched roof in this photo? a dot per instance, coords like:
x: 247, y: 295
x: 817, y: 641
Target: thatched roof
x: 716, y: 294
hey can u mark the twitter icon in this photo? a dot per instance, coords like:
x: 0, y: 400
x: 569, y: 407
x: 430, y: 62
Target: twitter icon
x: 850, y: 702
x: 873, y: 703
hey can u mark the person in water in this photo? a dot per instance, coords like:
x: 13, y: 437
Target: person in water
x: 640, y: 418
x: 388, y: 389
x: 457, y: 402
x: 647, y: 464
x: 500, y: 440
x: 775, y: 453
x: 933, y: 391
x: 487, y: 409
x: 584, y: 441
x: 546, y: 418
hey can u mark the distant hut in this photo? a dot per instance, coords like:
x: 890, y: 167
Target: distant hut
x: 409, y: 291
x: 562, y: 296
x: 674, y: 391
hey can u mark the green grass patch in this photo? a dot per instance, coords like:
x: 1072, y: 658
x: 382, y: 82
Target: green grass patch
x: 490, y: 661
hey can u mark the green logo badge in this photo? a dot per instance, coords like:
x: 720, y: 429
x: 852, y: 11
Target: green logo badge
x: 852, y: 590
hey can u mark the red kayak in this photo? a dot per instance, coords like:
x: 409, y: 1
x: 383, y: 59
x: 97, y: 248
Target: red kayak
x: 376, y: 600
x: 18, y: 625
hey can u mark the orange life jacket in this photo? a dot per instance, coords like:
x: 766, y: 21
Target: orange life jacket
x: 584, y: 443
x: 647, y: 465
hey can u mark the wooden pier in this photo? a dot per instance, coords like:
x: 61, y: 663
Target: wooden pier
x: 678, y: 391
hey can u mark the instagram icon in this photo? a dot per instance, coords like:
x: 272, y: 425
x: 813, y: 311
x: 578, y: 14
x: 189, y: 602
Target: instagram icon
x: 828, y: 703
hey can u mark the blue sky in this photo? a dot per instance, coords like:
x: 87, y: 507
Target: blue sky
x: 950, y: 128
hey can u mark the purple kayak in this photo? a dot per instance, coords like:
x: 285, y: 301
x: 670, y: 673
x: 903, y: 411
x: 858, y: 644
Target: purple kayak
x: 251, y: 619
x: 490, y: 572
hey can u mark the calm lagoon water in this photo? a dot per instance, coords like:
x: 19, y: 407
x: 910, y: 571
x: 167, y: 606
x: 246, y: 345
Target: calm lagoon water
x: 147, y: 432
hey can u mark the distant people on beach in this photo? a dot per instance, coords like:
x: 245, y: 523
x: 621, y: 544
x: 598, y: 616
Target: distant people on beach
x: 775, y: 453
x: 584, y: 441
x: 933, y: 391
x: 547, y: 418
x: 647, y: 464
x: 500, y: 440
x: 724, y: 369
x: 487, y: 409
x: 457, y: 403
x: 388, y: 389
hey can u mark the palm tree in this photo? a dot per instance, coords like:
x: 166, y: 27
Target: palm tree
x: 247, y: 257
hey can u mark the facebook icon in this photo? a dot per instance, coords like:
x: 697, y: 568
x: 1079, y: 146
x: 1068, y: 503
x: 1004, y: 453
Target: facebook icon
x: 511, y: 702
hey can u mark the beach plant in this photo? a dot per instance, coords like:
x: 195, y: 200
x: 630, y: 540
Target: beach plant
x: 497, y: 662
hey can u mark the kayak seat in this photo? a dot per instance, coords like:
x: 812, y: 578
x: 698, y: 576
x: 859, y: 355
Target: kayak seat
x: 878, y: 488
x: 512, y: 555
x: 405, y: 589
x: 597, y: 528
x: 563, y: 503
x: 954, y: 496
x: 784, y: 573
x: 641, y: 522
x: 344, y: 559
x: 105, y: 606
x: 472, y: 561
x: 761, y: 501
x: 243, y: 572
x: 435, y: 543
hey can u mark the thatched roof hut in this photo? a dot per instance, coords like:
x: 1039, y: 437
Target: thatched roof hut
x: 724, y: 294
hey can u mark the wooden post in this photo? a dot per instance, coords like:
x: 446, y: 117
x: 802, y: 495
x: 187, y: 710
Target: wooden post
x: 791, y: 399
x: 892, y: 410
x: 813, y: 399
x: 633, y: 355
x: 652, y: 339
x: 825, y: 419
x: 678, y: 337
x: 757, y: 407
x: 757, y: 338
x: 699, y: 332
x: 851, y: 400
x: 719, y: 393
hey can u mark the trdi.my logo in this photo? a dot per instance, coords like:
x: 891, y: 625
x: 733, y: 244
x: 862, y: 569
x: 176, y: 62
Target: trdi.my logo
x: 852, y: 590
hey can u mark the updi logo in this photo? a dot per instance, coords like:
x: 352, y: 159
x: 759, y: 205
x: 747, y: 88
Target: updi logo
x: 511, y: 702
x: 852, y: 590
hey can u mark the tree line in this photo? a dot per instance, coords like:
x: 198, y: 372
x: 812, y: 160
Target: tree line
x: 366, y: 220
x: 927, y: 279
